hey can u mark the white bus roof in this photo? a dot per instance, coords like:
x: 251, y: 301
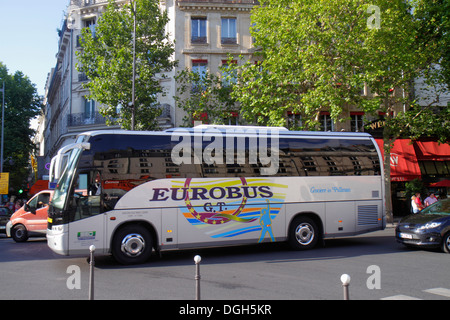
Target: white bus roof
x: 236, y: 130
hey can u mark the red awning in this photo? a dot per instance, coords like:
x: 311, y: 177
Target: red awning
x: 38, y: 186
x: 443, y: 183
x: 404, y: 165
x: 431, y: 150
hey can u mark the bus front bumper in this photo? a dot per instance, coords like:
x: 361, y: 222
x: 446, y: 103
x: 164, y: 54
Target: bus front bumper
x: 57, y: 240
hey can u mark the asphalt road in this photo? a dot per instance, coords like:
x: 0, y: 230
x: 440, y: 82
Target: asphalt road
x: 379, y: 268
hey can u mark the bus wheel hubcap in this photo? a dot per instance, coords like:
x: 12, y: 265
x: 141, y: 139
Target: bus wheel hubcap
x: 304, y: 233
x: 133, y: 245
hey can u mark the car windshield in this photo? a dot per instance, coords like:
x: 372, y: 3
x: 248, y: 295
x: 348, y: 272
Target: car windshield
x: 440, y: 207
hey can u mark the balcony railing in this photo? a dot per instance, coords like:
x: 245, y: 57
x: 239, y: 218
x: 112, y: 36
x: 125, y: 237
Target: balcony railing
x: 84, y: 119
x: 86, y: 3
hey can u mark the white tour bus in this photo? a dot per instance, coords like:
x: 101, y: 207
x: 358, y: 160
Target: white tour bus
x: 129, y: 193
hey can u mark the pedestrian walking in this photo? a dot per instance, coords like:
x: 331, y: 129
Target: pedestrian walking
x: 430, y: 199
x: 416, y: 203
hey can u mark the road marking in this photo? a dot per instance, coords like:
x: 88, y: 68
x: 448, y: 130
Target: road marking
x: 439, y: 291
x: 400, y: 297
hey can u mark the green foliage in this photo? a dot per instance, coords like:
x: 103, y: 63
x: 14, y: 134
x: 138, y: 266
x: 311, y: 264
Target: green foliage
x: 414, y: 186
x: 204, y: 97
x: 434, y: 31
x: 107, y: 60
x: 318, y: 56
x: 22, y: 104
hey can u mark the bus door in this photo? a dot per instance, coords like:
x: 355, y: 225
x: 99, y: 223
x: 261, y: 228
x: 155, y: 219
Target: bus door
x: 84, y: 209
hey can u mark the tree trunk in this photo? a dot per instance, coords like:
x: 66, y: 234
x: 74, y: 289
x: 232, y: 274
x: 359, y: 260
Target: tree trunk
x: 387, y: 179
x: 387, y: 146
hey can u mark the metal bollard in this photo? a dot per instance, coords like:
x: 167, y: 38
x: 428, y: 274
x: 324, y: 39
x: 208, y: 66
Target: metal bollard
x: 91, y: 272
x: 345, y: 279
x: 197, y: 261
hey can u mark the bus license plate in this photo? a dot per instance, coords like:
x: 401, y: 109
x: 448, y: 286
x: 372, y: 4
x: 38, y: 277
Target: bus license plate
x: 406, y: 236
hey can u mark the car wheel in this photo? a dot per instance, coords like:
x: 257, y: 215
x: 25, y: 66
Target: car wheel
x: 303, y: 233
x: 446, y: 243
x: 132, y: 245
x: 19, y: 233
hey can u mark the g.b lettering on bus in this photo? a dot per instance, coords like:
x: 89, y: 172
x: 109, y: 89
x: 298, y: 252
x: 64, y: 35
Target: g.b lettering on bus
x: 228, y: 144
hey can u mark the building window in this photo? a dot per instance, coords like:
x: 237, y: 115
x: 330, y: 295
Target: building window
x: 357, y: 122
x: 198, y: 30
x: 294, y: 120
x: 90, y: 24
x: 229, y: 35
x: 201, y: 68
x: 229, y: 76
x: 326, y: 123
x: 89, y: 111
x: 233, y: 119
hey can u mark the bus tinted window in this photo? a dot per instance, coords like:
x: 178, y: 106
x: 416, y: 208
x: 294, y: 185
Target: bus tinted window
x: 147, y: 157
x: 331, y: 157
x: 126, y: 161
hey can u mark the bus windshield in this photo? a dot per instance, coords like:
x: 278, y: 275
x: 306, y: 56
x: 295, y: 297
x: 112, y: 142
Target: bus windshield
x: 63, y: 186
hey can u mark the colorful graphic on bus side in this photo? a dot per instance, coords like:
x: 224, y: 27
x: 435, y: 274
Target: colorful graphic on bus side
x: 233, y: 203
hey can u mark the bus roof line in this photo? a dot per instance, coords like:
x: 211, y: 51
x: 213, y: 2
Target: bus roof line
x: 279, y: 130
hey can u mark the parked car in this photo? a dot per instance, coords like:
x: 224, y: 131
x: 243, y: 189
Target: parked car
x: 428, y: 228
x: 5, y: 214
x: 31, y: 219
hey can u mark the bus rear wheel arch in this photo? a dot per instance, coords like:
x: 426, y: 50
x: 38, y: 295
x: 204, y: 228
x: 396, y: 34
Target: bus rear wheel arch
x: 132, y: 244
x: 304, y: 232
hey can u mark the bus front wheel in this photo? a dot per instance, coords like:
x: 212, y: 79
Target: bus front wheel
x: 303, y: 233
x: 132, y: 245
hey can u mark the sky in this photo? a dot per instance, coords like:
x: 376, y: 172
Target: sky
x: 29, y: 38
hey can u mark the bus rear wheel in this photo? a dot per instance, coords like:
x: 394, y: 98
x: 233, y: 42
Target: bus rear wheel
x: 303, y: 233
x: 132, y: 245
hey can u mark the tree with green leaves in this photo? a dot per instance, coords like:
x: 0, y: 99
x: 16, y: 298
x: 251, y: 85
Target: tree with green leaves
x: 205, y: 97
x: 107, y: 59
x: 319, y: 56
x: 22, y: 104
x: 434, y: 32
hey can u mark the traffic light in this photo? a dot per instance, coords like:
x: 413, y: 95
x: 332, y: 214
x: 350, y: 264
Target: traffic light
x: 20, y: 191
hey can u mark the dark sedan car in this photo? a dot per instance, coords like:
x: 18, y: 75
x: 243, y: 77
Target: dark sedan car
x: 428, y: 228
x: 5, y: 214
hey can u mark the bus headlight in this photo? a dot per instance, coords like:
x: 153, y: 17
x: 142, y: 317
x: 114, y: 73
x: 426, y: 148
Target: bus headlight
x: 56, y: 230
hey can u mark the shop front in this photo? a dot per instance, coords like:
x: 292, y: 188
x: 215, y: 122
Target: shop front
x: 426, y: 160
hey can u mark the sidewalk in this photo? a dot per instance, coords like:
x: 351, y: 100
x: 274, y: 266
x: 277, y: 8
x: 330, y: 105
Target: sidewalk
x: 393, y: 224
